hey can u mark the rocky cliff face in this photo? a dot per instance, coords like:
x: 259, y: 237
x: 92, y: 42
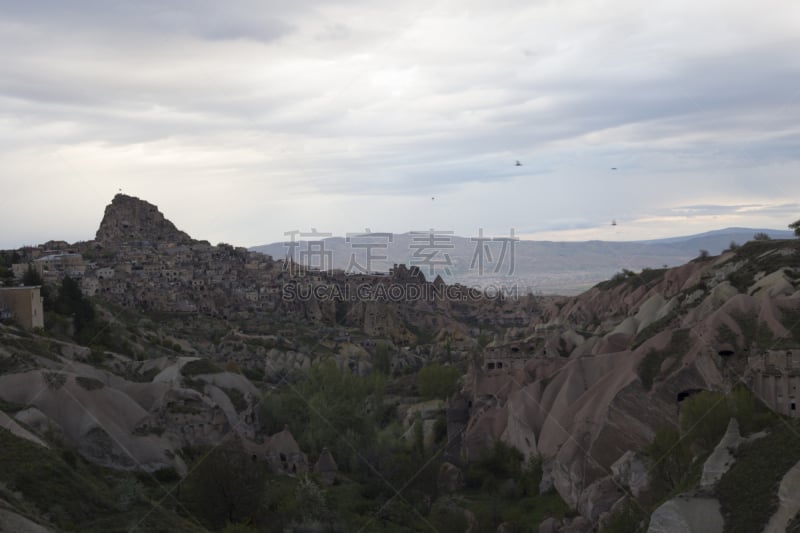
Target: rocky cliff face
x: 597, y: 375
x: 128, y: 218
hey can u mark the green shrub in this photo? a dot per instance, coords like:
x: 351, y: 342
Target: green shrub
x: 236, y: 397
x: 705, y: 416
x: 437, y: 381
x: 226, y: 486
x: 649, y: 368
x: 495, y: 464
x: 239, y: 528
x: 671, y: 460
x: 656, y: 327
x: 327, y: 407
x: 790, y: 319
x: 794, y: 525
x: 630, y: 517
x: 97, y: 355
x: 753, y: 331
x: 703, y: 255
x: 166, y: 475
x: 253, y: 374
x: 53, y: 480
x: 69, y: 457
x: 382, y: 360
x: 444, y: 518
x: 200, y: 366
x: 424, y: 335
x: 89, y: 383
x: 748, y: 492
x: 761, y: 256
x: 10, y: 407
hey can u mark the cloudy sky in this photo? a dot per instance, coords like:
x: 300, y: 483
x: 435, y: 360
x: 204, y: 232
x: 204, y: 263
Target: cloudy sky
x: 243, y: 120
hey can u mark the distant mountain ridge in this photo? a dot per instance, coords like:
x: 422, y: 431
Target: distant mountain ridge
x: 549, y: 267
x: 734, y: 232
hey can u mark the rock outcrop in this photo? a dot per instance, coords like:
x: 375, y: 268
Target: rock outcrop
x: 450, y: 478
x: 722, y: 457
x: 632, y: 473
x: 6, y: 422
x: 11, y: 521
x: 788, y: 501
x: 326, y: 467
x: 595, y: 376
x: 99, y: 422
x: 129, y: 219
x: 687, y: 515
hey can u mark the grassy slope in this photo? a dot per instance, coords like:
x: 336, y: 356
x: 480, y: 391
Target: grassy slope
x: 56, y: 486
x: 748, y: 493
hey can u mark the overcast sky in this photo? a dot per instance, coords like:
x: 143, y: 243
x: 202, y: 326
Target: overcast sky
x: 244, y: 120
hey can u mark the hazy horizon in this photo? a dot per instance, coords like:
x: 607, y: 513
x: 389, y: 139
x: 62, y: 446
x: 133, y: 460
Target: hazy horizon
x: 302, y: 236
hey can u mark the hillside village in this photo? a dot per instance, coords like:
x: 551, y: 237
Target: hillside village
x: 139, y: 260
x: 146, y: 352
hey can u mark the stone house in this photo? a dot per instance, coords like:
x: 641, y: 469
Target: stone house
x: 507, y: 357
x: 775, y: 377
x: 23, y: 304
x: 89, y: 285
x: 105, y: 273
x: 20, y: 269
x: 282, y: 453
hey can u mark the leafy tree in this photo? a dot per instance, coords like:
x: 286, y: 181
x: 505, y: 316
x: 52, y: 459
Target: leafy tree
x: 71, y: 302
x: 437, y: 381
x: 761, y: 236
x: 703, y: 254
x: 6, y: 275
x: 796, y: 227
x: 310, y: 499
x: 226, y: 487
x: 341, y: 311
x: 239, y: 528
x: 705, y: 416
x: 9, y: 258
x: 32, y: 277
x: 628, y: 518
x: 328, y: 408
x: 484, y: 338
x: 382, y: 360
x: 495, y: 464
x: 443, y: 518
x: 419, y: 436
x: 671, y: 459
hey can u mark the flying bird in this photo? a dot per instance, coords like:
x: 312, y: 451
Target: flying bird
x: 614, y: 222
x: 613, y: 168
x: 518, y: 163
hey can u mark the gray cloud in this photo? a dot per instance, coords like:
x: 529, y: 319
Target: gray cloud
x: 381, y: 105
x: 205, y: 19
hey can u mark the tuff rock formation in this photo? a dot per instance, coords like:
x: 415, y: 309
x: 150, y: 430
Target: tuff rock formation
x: 129, y: 219
x: 595, y: 376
